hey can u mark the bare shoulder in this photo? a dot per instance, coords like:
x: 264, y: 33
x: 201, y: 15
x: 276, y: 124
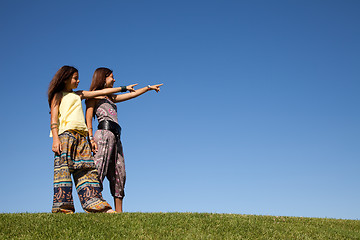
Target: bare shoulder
x: 57, y: 97
x: 55, y: 101
x: 90, y: 102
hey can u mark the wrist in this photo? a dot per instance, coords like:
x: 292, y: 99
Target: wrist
x: 124, y: 89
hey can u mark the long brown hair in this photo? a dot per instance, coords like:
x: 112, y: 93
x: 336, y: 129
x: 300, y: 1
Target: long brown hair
x: 57, y: 84
x: 99, y: 78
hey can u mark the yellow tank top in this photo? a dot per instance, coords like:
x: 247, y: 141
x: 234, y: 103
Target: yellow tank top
x: 71, y: 114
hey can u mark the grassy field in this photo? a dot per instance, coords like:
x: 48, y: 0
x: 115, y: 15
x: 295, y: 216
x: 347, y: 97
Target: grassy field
x: 172, y: 226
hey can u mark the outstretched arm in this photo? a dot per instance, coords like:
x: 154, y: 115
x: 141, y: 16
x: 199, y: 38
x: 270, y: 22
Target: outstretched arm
x: 103, y: 92
x: 90, y: 105
x: 136, y: 93
x: 54, y: 123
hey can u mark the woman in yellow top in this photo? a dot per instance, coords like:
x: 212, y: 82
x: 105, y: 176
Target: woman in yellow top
x: 72, y: 150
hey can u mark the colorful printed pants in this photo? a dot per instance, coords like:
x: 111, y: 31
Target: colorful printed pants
x: 76, y: 159
x: 109, y: 160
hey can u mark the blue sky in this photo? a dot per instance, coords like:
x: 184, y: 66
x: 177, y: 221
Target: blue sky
x: 259, y: 112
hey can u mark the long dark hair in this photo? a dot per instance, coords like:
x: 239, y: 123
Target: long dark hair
x: 57, y: 84
x: 99, y: 78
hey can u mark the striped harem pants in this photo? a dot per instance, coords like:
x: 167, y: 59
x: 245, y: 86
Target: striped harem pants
x: 76, y: 160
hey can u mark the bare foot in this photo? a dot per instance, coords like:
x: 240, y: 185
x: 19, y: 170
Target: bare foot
x: 109, y: 211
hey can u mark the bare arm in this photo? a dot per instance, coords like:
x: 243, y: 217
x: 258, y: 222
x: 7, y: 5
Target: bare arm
x: 54, y: 119
x: 136, y: 93
x: 92, y: 94
x: 90, y: 105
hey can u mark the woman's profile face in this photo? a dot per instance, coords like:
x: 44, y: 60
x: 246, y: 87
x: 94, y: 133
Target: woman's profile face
x: 109, y: 81
x: 72, y: 82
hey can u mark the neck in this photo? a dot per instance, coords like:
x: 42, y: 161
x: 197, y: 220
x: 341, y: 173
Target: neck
x: 67, y: 90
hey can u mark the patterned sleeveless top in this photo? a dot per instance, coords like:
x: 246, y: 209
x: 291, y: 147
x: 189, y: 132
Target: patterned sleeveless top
x: 105, y: 109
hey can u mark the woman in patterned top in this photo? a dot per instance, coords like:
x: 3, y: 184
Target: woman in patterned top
x: 106, y: 144
x: 72, y: 150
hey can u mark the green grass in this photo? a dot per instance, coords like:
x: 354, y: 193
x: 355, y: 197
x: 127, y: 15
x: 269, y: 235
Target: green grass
x: 172, y: 226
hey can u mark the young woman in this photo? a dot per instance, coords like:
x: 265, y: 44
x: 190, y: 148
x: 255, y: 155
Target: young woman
x: 72, y: 151
x: 106, y: 144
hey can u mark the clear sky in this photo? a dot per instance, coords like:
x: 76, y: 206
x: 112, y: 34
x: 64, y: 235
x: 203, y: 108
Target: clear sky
x: 259, y: 112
